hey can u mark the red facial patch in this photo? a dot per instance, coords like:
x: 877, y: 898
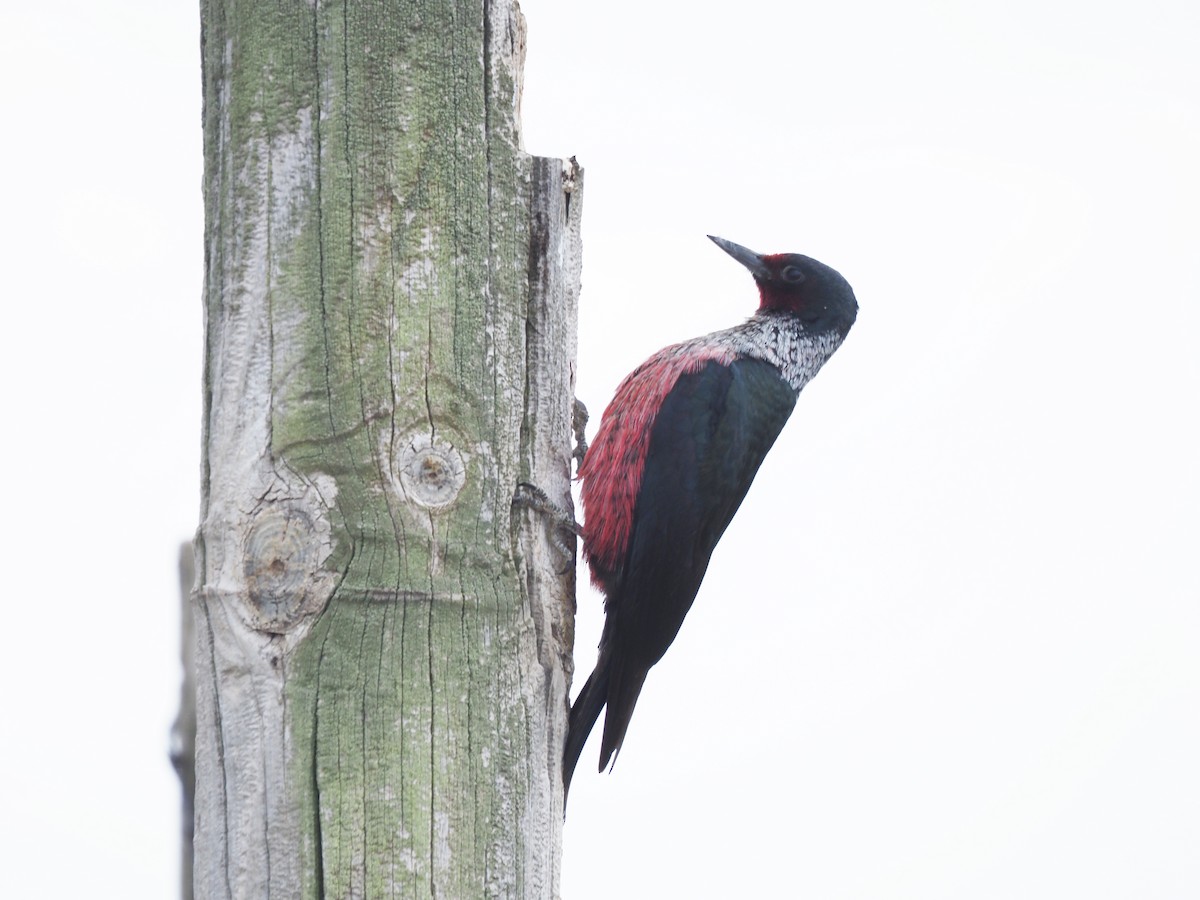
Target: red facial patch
x: 773, y: 295
x: 612, y: 471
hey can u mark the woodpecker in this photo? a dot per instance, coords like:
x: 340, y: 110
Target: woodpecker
x: 674, y: 456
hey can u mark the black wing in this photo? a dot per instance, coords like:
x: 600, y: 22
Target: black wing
x: 707, y: 443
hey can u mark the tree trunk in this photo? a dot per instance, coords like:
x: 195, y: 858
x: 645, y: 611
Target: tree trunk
x: 183, y: 730
x: 383, y: 642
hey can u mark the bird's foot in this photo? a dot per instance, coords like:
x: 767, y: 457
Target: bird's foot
x: 533, y: 497
x: 579, y: 420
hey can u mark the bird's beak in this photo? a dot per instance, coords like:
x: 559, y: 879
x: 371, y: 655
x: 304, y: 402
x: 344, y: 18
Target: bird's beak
x: 745, y: 256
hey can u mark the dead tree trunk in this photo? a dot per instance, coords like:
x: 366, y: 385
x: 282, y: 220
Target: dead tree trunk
x: 183, y: 730
x: 383, y: 642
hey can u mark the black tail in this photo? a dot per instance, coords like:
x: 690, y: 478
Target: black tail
x: 610, y: 683
x: 624, y: 685
x: 584, y: 713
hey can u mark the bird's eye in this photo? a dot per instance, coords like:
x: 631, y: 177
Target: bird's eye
x: 792, y: 274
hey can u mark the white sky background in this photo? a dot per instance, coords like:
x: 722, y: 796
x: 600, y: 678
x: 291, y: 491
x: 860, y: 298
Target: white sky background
x: 949, y: 647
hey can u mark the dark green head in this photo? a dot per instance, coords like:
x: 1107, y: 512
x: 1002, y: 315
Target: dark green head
x: 790, y: 283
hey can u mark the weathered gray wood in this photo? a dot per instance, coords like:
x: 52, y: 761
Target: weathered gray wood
x: 390, y: 312
x: 183, y: 730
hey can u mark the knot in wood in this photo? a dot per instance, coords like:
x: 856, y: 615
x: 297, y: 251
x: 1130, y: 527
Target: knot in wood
x: 431, y: 471
x: 282, y: 552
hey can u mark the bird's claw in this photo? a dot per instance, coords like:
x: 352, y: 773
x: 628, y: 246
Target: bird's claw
x: 579, y: 420
x: 534, y: 498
